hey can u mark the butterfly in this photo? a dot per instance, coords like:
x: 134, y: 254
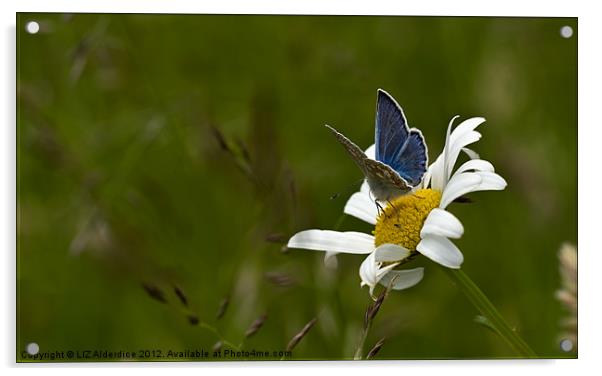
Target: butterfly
x: 401, y: 153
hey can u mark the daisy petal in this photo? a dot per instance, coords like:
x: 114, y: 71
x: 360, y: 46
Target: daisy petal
x: 455, y: 148
x: 491, y: 181
x: 471, y: 153
x: 333, y: 241
x: 475, y: 164
x: 365, y: 188
x: 441, y: 250
x: 330, y: 260
x: 368, y: 270
x: 438, y: 168
x: 466, y: 139
x: 459, y: 185
x: 390, y: 253
x: 437, y: 174
x: 383, y: 271
x: 362, y: 207
x: 402, y: 279
x: 371, y: 272
x: 442, y: 223
x: 426, y: 179
x: 371, y: 151
x: 464, y: 128
x: 462, y: 136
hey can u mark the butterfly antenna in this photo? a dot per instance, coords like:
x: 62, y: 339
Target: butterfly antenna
x: 347, y: 190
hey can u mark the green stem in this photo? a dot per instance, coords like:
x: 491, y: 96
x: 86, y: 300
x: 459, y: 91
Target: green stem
x: 360, y: 346
x: 212, y: 329
x: 482, y: 303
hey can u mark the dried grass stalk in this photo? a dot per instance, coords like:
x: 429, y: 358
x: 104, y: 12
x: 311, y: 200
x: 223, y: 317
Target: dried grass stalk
x: 222, y: 307
x: 256, y: 325
x: 299, y: 336
x: 154, y: 292
x: 180, y: 294
x: 375, y: 349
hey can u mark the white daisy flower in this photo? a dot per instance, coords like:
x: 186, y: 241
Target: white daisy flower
x: 412, y: 224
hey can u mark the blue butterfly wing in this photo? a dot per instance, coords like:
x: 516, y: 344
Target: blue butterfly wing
x: 391, y: 129
x: 397, y: 146
x: 412, y: 161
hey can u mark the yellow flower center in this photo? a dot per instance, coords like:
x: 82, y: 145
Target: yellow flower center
x: 401, y: 220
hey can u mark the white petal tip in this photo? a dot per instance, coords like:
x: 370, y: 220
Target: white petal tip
x: 333, y: 241
x: 441, y: 250
x: 390, y: 253
x: 330, y: 260
x: 402, y: 279
x: 442, y: 223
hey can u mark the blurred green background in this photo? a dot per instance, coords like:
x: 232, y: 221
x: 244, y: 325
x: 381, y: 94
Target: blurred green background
x: 157, y: 151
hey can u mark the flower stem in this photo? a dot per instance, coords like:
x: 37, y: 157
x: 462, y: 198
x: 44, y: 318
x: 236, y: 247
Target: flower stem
x: 369, y: 316
x: 360, y: 346
x: 487, y: 309
x: 212, y: 329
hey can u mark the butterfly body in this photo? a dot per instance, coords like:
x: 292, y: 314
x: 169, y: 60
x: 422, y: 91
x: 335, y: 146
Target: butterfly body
x: 401, y: 154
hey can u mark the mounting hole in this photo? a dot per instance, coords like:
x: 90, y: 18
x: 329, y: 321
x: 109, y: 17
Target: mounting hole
x: 566, y: 345
x: 32, y: 27
x: 32, y: 348
x: 566, y: 31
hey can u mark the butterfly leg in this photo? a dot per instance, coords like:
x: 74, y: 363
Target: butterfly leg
x: 390, y: 203
x: 379, y: 208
